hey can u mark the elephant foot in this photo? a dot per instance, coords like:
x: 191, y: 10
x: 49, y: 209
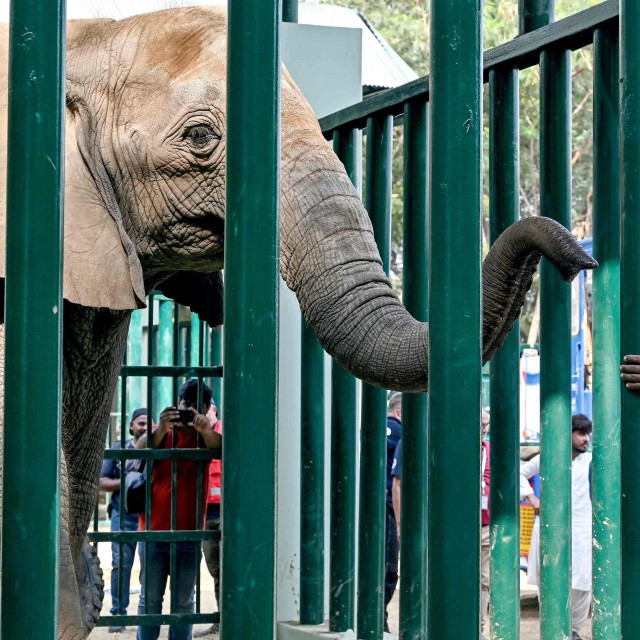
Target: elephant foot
x: 90, y: 586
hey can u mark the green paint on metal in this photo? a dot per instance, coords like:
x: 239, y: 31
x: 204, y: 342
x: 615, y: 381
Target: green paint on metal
x: 289, y: 10
x: 216, y: 359
x: 373, y: 431
x: 505, y: 369
x: 252, y: 246
x: 134, y: 357
x: 534, y: 14
x: 606, y: 338
x: 455, y: 320
x: 413, y: 550
x: 312, y: 479
x: 33, y: 320
x: 630, y: 309
x: 343, y: 455
x: 555, y: 353
x: 165, y: 397
x: 194, y: 352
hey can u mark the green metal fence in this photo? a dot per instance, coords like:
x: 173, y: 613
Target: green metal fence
x: 440, y: 527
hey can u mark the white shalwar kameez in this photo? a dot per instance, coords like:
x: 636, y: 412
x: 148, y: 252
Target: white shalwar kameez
x: 580, y: 534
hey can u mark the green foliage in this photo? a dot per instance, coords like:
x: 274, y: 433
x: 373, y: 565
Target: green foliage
x: 405, y: 25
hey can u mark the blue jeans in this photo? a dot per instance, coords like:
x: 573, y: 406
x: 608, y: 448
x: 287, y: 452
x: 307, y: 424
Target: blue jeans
x: 159, y: 563
x: 124, y: 570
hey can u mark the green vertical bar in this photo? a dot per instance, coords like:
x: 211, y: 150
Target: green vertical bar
x: 312, y: 480
x: 606, y: 337
x: 134, y: 356
x: 33, y: 320
x: 165, y: 352
x: 455, y: 321
x: 251, y: 314
x: 555, y: 353
x: 534, y: 14
x: 413, y: 550
x: 505, y: 369
x: 343, y: 457
x: 630, y: 309
x: 373, y: 431
x: 216, y: 359
x: 289, y: 10
x: 195, y: 341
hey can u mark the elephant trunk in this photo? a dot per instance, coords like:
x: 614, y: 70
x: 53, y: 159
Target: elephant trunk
x: 330, y: 260
x: 508, y: 270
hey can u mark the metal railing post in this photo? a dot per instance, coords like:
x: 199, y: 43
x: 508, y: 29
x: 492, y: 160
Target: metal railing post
x: 534, y: 14
x: 555, y: 352
x: 165, y: 354
x: 33, y: 320
x: 252, y: 246
x: 630, y: 309
x: 413, y: 550
x: 455, y: 320
x: 312, y: 480
x: 134, y: 356
x: 606, y: 337
x: 289, y: 10
x: 343, y: 457
x: 505, y: 368
x: 373, y: 430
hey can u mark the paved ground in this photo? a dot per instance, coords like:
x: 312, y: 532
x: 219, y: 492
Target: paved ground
x: 529, y: 628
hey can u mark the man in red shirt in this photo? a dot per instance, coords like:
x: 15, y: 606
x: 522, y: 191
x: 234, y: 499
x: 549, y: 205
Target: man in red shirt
x: 170, y: 433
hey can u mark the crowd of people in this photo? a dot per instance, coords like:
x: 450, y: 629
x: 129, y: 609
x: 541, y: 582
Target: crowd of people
x: 189, y: 425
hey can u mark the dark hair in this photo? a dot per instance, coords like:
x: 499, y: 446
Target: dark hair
x: 189, y: 393
x: 580, y: 422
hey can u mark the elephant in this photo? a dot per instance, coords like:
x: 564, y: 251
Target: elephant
x: 145, y: 209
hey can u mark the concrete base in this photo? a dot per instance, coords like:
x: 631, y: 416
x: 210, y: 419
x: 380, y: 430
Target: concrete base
x: 295, y: 631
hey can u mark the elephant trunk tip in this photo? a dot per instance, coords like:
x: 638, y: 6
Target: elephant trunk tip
x: 581, y: 260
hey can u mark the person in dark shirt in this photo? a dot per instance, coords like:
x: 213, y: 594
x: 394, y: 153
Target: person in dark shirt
x: 110, y: 481
x: 394, y: 433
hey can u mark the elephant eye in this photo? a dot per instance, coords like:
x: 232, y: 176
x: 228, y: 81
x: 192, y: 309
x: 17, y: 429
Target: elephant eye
x: 200, y: 136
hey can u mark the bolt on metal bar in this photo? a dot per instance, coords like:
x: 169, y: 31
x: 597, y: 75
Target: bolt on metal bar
x: 505, y: 368
x: 555, y: 353
x: 343, y: 455
x: 413, y: 550
x: 630, y: 310
x: 455, y: 320
x: 33, y: 319
x: 373, y: 431
x: 252, y: 246
x: 312, y: 479
x: 606, y: 337
x: 534, y: 14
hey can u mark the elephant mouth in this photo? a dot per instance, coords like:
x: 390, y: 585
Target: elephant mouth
x: 209, y: 222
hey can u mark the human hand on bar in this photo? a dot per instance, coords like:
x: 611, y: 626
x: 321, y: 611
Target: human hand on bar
x: 630, y: 372
x: 534, y: 501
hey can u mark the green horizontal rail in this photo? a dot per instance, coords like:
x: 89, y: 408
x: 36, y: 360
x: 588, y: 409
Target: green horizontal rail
x: 167, y: 371
x: 163, y: 454
x: 573, y: 32
x: 153, y: 536
x: 158, y: 619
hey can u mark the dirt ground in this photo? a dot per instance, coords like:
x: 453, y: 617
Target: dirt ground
x: 529, y: 627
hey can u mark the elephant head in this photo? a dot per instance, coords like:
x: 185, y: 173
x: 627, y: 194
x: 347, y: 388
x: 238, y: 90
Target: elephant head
x: 145, y: 199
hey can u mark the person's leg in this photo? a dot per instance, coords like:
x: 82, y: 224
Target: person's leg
x: 391, y: 560
x: 486, y: 575
x: 211, y: 553
x: 115, y: 564
x: 580, y: 605
x: 141, y: 551
x: 188, y: 560
x: 128, y: 554
x: 158, y: 559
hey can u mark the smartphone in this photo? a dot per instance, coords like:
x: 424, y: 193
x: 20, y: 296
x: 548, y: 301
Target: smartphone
x: 186, y: 416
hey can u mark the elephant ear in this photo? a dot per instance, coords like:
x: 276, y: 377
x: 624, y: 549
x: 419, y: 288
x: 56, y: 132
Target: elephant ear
x: 203, y: 293
x: 101, y: 267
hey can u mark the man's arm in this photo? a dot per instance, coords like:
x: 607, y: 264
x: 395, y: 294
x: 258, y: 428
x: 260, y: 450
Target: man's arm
x: 528, y: 470
x: 109, y: 484
x: 109, y: 475
x: 212, y: 439
x: 167, y: 418
x: 396, y: 493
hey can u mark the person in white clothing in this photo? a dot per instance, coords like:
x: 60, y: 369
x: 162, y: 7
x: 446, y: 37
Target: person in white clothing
x: 580, y: 521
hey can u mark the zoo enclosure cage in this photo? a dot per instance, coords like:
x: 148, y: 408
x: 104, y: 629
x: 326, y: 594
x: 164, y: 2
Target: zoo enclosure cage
x: 452, y: 606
